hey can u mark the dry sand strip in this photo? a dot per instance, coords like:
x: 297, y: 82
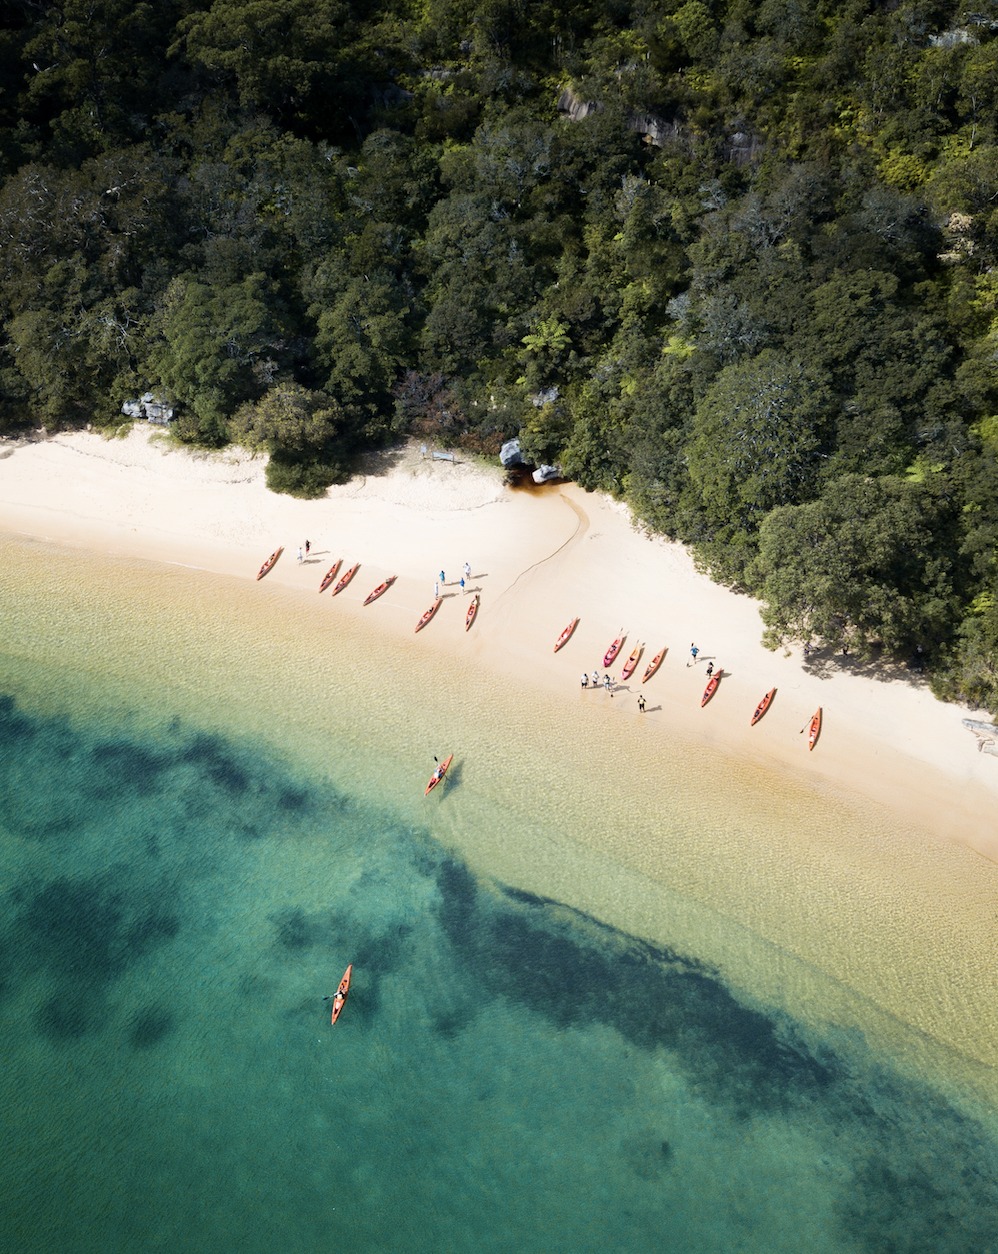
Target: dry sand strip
x: 538, y: 559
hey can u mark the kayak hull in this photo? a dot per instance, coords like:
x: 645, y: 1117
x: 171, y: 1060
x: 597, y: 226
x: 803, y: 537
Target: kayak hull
x: 631, y: 663
x: 469, y: 618
x: 345, y: 579
x: 566, y: 635
x: 763, y: 706
x: 340, y: 996
x: 711, y: 688
x: 438, y: 774
x: 428, y: 614
x: 380, y: 590
x: 330, y: 575
x: 653, y: 666
x: 270, y: 563
x: 814, y: 729
x: 613, y: 650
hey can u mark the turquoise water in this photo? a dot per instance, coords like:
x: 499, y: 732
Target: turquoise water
x: 508, y: 1073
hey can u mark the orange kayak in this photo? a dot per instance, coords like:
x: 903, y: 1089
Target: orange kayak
x: 428, y: 614
x: 566, y: 635
x: 711, y: 688
x: 345, y: 579
x: 269, y: 563
x: 379, y: 590
x: 814, y: 731
x: 469, y: 618
x: 631, y: 663
x: 653, y: 666
x: 763, y: 706
x: 339, y: 999
x: 438, y: 775
x: 613, y: 650
x: 330, y: 575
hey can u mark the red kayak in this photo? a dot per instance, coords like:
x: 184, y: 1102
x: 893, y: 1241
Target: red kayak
x: 428, y: 614
x: 330, y: 575
x: 380, y: 590
x: 340, y: 997
x: 763, y: 706
x: 438, y: 775
x: 631, y: 663
x: 566, y: 635
x: 345, y: 579
x: 270, y: 562
x: 711, y: 688
x: 653, y: 666
x: 814, y: 731
x: 469, y: 618
x: 613, y: 650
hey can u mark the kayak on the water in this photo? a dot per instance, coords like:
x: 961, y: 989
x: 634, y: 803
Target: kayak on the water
x: 613, y: 650
x: 469, y: 618
x: 631, y: 663
x: 566, y: 635
x: 763, y: 706
x: 438, y: 774
x: 379, y: 590
x: 330, y: 575
x: 653, y: 666
x: 345, y: 579
x: 269, y: 563
x: 340, y: 996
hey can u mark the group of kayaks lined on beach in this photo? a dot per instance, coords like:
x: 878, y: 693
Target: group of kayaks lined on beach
x: 373, y: 595
x: 813, y: 728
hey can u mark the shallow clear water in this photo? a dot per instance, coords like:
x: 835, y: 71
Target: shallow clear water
x: 182, y: 885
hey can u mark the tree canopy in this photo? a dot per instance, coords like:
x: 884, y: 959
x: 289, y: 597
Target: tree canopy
x: 733, y: 263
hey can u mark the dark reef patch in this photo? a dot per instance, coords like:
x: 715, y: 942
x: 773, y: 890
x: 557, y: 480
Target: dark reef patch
x: 149, y: 1028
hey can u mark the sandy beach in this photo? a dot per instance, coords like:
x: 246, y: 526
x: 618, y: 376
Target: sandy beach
x: 538, y: 558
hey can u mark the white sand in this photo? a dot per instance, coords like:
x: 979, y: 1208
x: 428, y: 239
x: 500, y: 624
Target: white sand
x: 538, y: 559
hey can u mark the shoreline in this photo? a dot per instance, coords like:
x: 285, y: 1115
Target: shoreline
x: 538, y: 558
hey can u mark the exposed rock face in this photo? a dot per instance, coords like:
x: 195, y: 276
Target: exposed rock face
x: 150, y: 407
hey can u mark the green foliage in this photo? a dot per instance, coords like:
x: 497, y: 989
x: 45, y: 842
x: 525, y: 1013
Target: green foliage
x: 734, y: 262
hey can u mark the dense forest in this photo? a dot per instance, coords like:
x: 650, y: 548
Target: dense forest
x: 733, y: 262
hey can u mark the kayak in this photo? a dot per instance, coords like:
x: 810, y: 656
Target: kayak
x: 631, y: 662
x: 566, y: 635
x: 469, y: 618
x: 438, y: 775
x: 329, y: 576
x: 653, y: 665
x: 613, y: 650
x: 379, y: 590
x: 345, y: 579
x: 339, y: 999
x: 763, y: 706
x: 814, y: 731
x: 428, y: 614
x: 711, y: 688
x: 269, y: 563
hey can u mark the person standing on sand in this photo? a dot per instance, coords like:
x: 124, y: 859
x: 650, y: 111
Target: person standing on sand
x: 467, y: 570
x: 585, y: 681
x: 693, y: 654
x: 308, y: 545
x: 595, y: 679
x: 443, y: 577
x: 641, y: 702
x: 462, y: 585
x: 710, y: 669
x: 300, y: 558
x: 607, y: 681
x: 436, y: 590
